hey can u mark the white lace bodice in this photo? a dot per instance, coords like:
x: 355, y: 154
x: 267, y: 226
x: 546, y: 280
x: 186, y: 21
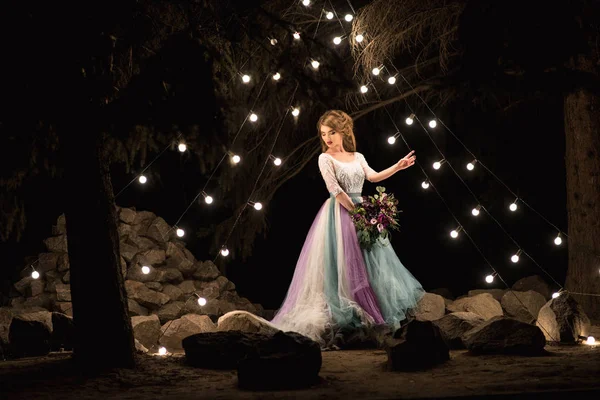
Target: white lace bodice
x: 340, y: 176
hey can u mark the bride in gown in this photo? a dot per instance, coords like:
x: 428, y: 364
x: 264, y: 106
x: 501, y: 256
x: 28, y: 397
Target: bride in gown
x: 336, y: 284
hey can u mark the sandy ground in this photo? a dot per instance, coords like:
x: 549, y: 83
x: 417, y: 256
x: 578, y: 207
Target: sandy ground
x: 344, y: 375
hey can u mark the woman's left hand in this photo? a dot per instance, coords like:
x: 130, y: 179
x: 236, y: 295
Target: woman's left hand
x: 407, y: 161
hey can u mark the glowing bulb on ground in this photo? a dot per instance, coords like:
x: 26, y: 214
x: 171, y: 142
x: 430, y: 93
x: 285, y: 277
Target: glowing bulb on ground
x: 201, y: 301
x: 432, y: 123
x: 555, y: 295
x: 35, y: 274
x: 425, y: 185
x: 329, y: 15
x: 391, y: 140
x: 296, y: 35
x: 162, y: 351
x: 180, y: 232
x: 277, y: 161
x: 590, y: 340
x: 315, y: 64
x: 182, y: 147
x: 276, y: 76
x: 145, y: 270
x: 475, y: 211
x: 514, y: 258
x: 337, y: 40
x: 364, y: 89
x: 224, y: 252
x: 359, y: 38
x: 208, y: 199
x: 142, y: 179
x: 348, y: 17
x: 253, y: 117
x: 246, y: 78
x: 296, y: 112
x: 454, y: 234
x: 306, y: 2
x: 513, y: 207
x: 392, y: 80
x: 470, y: 166
x: 258, y: 206
x: 437, y: 165
x: 376, y: 71
x: 489, y: 278
x: 273, y: 42
x: 558, y: 240
x: 409, y: 121
x: 236, y: 159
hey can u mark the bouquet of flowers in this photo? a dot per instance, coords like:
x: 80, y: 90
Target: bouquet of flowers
x: 374, y: 217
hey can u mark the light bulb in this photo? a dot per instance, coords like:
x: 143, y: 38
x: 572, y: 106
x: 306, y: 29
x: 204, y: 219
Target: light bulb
x: 590, y: 340
x: 348, y: 17
x: 454, y: 234
x: 236, y: 159
x: 470, y: 166
x: 432, y: 123
x: 296, y: 35
x: 180, y: 232
x: 409, y: 121
x: 253, y: 117
x: 391, y: 140
x: 337, y: 40
x: 276, y: 76
x: 142, y: 179
x: 182, y: 147
x: 425, y: 185
x: 35, y: 274
x: 514, y: 258
x: 489, y: 278
x: 296, y: 112
x: 306, y: 2
x: 376, y: 71
x: 257, y: 206
x: 392, y: 80
x: 145, y: 270
x: 437, y: 165
x: 277, y: 161
x: 273, y: 42
x: 329, y: 15
x: 555, y: 295
x: 364, y: 89
x: 513, y: 207
x: 246, y: 78
x: 224, y: 252
x: 315, y: 64
x: 208, y: 199
x: 201, y: 301
x: 475, y: 212
x: 359, y: 38
x: 558, y: 241
x: 162, y: 351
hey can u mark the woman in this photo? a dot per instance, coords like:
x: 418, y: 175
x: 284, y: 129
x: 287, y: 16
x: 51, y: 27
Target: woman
x: 337, y: 285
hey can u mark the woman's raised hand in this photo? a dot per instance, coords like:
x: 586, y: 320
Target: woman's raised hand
x: 407, y: 161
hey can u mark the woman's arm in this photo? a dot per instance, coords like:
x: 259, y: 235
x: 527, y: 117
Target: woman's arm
x: 374, y: 176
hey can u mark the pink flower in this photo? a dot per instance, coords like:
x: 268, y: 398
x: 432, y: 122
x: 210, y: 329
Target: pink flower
x: 373, y: 221
x: 379, y: 227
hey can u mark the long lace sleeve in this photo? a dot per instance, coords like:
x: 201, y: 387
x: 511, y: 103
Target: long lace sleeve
x: 369, y: 172
x: 328, y: 173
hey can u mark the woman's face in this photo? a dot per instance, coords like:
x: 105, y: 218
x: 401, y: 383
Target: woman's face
x: 331, y: 138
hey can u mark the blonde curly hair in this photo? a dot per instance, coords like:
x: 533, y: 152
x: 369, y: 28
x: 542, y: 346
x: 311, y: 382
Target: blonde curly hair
x: 340, y: 122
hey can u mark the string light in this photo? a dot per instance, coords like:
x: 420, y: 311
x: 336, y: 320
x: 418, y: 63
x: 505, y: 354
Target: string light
x: 392, y: 139
x: 35, y: 274
x: 276, y: 76
x: 375, y: 71
x: 180, y: 232
x: 348, y: 17
x: 235, y: 158
x: 296, y: 35
x: 162, y: 351
x: 513, y: 206
x: 471, y: 165
x: 145, y: 270
x: 224, y: 251
x: 454, y: 233
x: 410, y: 119
x: 315, y: 64
x: 201, y: 301
x: 253, y: 117
x: 438, y: 164
x: 276, y: 160
x: 295, y: 111
x: 555, y: 295
x: 558, y: 240
x: 142, y: 179
x: 273, y: 41
x: 490, y: 278
x: 392, y: 80
x: 425, y: 185
x: 364, y: 89
x: 208, y: 199
x: 475, y: 211
x: 590, y: 340
x: 432, y: 123
x: 245, y: 78
x: 306, y: 2
x: 182, y: 147
x: 359, y: 38
x: 515, y: 257
x: 337, y: 40
x: 329, y: 15
x: 257, y: 205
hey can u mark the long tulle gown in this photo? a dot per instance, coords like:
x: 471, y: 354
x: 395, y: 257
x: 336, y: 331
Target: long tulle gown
x: 336, y: 284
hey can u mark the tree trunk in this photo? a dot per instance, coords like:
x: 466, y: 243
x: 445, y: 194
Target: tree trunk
x: 582, y: 131
x: 104, y: 336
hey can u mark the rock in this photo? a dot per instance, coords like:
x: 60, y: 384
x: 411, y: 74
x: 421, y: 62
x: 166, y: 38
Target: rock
x: 135, y: 309
x: 444, y: 292
x: 209, y: 290
x: 36, y: 287
x: 6, y: 316
x: 65, y: 279
x: 135, y: 272
x: 62, y: 262
x: 535, y: 283
x: 286, y: 360
x: 141, y: 242
x: 123, y: 266
x: 496, y: 293
x: 225, y: 284
x: 188, y: 254
x: 501, y: 335
x: 63, y: 332
x: 143, y: 217
x: 146, y: 297
x: 128, y: 251
x: 454, y: 326
x: 422, y: 346
x: 171, y: 311
x: 127, y: 215
x: 523, y: 306
x: 158, y: 230
x: 245, y: 322
x: 206, y: 271
x: 29, y: 334
x: 172, y: 275
x: 177, y: 260
x: 151, y: 257
x: 175, y: 331
x: 43, y: 300
x: 146, y: 329
x: 430, y: 308
x: 563, y: 320
x: 483, y: 305
x: 63, y: 292
x: 173, y: 292
x: 56, y: 244
x: 17, y: 302
x: 47, y: 262
x: 154, y: 286
x: 124, y: 231
x: 187, y: 287
x: 23, y: 285
x: 140, y: 348
x: 63, y: 307
x: 61, y: 226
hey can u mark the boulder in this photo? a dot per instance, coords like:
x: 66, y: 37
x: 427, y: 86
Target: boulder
x: 245, y: 322
x: 523, y: 306
x: 141, y: 242
x: 175, y: 331
x: 171, y: 275
x: 496, y: 293
x: 453, y: 326
x: 146, y: 329
x: 187, y: 287
x: 483, y: 305
x: 63, y: 292
x: 171, y: 311
x: 63, y: 307
x: 563, y: 320
x: 63, y: 332
x: 62, y: 263
x: 128, y: 251
x: 36, y: 287
x: 146, y: 297
x: 158, y: 230
x: 29, y: 334
x: 135, y: 309
x: 6, y: 316
x: 151, y: 257
x: 535, y: 283
x: 500, y: 335
x: 430, y: 308
x: 206, y: 271
x: 47, y: 262
x: 174, y: 292
x: 421, y: 346
x: 56, y: 244
x: 23, y: 285
x: 61, y: 226
x: 127, y: 215
x: 65, y: 279
x: 154, y: 286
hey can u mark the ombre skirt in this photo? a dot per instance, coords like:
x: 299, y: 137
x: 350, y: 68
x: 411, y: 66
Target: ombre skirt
x: 337, y: 286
